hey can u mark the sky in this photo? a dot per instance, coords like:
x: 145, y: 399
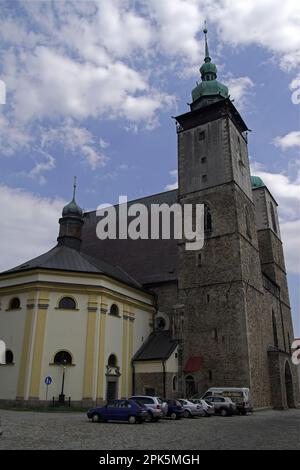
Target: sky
x: 91, y: 88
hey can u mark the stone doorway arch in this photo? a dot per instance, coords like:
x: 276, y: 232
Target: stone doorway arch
x: 290, y: 400
x: 190, y: 386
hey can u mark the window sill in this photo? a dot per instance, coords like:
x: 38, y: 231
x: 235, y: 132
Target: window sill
x: 67, y: 309
x: 10, y: 364
x: 60, y: 365
x: 13, y: 309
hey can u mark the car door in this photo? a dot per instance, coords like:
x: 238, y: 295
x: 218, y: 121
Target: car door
x: 112, y: 411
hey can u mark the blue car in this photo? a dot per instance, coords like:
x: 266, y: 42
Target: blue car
x: 119, y: 410
x: 175, y: 409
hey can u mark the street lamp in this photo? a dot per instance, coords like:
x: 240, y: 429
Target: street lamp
x: 61, y: 398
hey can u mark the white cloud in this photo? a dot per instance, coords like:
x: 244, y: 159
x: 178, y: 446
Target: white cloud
x: 13, y: 137
x: 240, y: 90
x: 269, y: 23
x: 40, y: 167
x: 292, y: 139
x: 290, y: 235
x: 103, y: 144
x: 30, y: 225
x: 177, y: 25
x: 174, y: 174
x: 76, y: 140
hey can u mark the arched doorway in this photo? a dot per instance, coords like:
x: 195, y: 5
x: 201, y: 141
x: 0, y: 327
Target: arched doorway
x: 112, y: 378
x: 190, y: 386
x: 289, y: 386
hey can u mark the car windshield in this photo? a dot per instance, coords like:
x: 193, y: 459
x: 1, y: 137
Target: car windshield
x: 160, y: 401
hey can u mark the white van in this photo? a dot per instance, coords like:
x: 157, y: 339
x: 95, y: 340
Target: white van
x: 240, y: 396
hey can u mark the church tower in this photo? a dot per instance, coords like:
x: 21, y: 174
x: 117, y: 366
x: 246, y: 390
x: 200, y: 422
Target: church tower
x: 220, y: 287
x: 71, y: 222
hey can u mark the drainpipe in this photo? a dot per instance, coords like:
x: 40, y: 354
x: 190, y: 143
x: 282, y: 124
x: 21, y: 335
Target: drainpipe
x: 164, y: 378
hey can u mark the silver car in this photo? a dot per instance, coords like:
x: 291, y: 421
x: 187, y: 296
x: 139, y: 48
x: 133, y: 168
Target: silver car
x: 207, y: 407
x: 156, y: 407
x: 191, y: 409
x: 224, y: 406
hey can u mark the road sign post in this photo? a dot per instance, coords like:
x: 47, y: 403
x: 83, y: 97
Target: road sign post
x: 48, y: 381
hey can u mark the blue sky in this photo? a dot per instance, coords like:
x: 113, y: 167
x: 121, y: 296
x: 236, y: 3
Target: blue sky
x: 91, y: 88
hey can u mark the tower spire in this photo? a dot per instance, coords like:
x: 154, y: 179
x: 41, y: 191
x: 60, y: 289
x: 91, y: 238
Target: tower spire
x: 207, y: 56
x: 74, y: 187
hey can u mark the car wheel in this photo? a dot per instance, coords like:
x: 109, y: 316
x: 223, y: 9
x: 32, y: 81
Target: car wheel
x: 173, y: 416
x: 96, y: 418
x: 187, y: 414
x: 132, y: 419
x: 223, y: 412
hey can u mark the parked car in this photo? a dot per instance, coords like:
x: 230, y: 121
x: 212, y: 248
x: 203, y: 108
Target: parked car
x: 191, y: 409
x: 223, y: 405
x: 208, y: 408
x: 241, y: 396
x: 157, y: 408
x: 175, y: 409
x: 119, y: 410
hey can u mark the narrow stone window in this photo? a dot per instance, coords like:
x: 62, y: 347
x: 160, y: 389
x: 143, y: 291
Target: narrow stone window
x: 273, y: 218
x: 247, y: 221
x: 203, y: 160
x: 207, y: 218
x: 201, y: 135
x: 204, y: 178
x: 289, y: 343
x: 215, y: 334
x: 199, y: 259
x: 275, y: 335
x: 207, y: 298
x: 210, y: 375
x: 174, y: 383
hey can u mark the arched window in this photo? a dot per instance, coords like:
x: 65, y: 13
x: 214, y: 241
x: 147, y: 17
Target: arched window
x: 14, y: 303
x: 273, y: 218
x: 67, y: 303
x: 275, y: 335
x: 112, y: 361
x: 174, y: 383
x: 207, y: 218
x: 9, y: 357
x: 114, y: 310
x: 247, y: 221
x: 63, y: 358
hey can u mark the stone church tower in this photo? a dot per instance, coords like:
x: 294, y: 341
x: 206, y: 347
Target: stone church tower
x: 225, y: 321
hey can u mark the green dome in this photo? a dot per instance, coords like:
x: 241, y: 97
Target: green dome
x: 257, y: 182
x: 208, y: 67
x: 209, y: 88
x: 72, y: 209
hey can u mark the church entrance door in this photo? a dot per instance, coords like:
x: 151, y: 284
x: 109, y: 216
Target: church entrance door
x: 111, y: 390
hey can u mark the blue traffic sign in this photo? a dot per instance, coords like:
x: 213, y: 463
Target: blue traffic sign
x: 48, y: 380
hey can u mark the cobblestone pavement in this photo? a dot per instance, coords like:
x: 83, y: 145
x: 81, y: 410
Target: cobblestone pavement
x: 261, y: 430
